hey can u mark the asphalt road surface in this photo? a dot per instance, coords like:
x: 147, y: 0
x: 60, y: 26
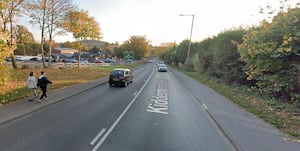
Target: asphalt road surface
x: 157, y: 112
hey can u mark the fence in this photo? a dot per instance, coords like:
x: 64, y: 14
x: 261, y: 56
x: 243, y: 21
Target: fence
x: 31, y: 64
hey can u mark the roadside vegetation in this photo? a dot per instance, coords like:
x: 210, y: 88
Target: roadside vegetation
x: 257, y: 67
x: 283, y: 116
x: 16, y: 89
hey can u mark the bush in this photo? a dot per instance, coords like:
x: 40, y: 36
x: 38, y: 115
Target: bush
x: 273, y: 57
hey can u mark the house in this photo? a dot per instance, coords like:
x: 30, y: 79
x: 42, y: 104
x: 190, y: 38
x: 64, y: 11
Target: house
x: 68, y: 51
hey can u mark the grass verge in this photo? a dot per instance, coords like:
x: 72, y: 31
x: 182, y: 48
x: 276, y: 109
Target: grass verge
x: 285, y: 117
x: 61, y: 77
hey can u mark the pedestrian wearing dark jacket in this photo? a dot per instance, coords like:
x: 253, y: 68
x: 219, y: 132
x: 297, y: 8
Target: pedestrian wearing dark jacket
x: 42, y: 83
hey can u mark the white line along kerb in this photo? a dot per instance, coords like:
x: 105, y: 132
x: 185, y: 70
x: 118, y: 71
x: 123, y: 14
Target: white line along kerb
x: 205, y: 107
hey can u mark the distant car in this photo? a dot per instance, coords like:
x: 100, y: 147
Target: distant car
x: 107, y: 60
x: 84, y: 61
x: 162, y: 68
x: 159, y: 63
x: 34, y: 59
x: 99, y: 61
x: 19, y: 58
x: 52, y: 59
x: 120, y: 76
x: 70, y: 60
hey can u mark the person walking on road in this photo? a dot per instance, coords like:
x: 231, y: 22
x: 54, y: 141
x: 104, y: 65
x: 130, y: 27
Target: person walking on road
x: 42, y: 83
x: 31, y: 84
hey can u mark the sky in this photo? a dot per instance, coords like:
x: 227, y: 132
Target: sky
x: 159, y: 20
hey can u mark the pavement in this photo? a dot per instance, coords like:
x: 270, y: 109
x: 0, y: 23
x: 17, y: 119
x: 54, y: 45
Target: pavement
x: 12, y: 111
x: 246, y: 131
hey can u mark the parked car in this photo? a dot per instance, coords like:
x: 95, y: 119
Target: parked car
x: 52, y: 59
x: 70, y: 60
x: 120, y: 76
x: 99, y: 61
x: 162, y: 68
x: 34, y: 59
x: 82, y: 61
x: 18, y: 58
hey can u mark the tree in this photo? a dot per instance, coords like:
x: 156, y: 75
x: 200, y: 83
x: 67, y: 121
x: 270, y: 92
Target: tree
x: 108, y: 46
x: 226, y: 63
x: 118, y: 52
x: 82, y: 26
x: 57, y: 9
x: 3, y: 54
x: 272, y: 54
x: 32, y: 49
x: 181, y: 51
x: 9, y: 10
x: 37, y: 10
x: 68, y: 44
x: 163, y: 48
x: 270, y: 11
x: 49, y: 15
x: 139, y: 45
x: 23, y: 36
x: 205, y: 55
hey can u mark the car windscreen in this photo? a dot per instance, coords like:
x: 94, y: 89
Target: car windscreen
x: 117, y: 73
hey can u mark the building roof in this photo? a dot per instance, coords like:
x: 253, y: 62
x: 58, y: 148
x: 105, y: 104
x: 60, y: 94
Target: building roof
x: 61, y: 49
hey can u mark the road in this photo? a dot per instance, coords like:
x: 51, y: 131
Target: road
x: 157, y: 112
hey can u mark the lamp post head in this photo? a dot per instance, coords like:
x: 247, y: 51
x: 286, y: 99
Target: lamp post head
x: 186, y: 15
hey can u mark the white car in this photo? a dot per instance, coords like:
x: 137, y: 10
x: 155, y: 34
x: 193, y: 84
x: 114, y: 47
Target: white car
x: 162, y: 68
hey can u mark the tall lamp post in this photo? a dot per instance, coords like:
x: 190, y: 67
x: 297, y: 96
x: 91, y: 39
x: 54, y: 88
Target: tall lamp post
x: 189, y: 48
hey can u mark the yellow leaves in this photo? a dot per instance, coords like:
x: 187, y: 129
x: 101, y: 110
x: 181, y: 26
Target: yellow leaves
x: 82, y: 25
x: 285, y: 42
x: 4, y: 78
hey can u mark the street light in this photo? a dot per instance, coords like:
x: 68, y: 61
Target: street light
x: 188, y: 53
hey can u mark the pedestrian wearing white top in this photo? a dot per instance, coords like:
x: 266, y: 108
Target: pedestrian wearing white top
x: 31, y: 84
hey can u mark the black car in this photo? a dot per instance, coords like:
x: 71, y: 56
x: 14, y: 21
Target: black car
x: 120, y: 76
x: 34, y: 59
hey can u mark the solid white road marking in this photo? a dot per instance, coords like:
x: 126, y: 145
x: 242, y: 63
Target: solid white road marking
x: 205, y: 107
x: 121, y: 116
x: 98, y: 136
x: 135, y: 93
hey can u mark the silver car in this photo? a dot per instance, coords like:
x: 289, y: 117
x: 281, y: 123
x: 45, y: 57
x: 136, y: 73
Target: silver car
x: 162, y: 68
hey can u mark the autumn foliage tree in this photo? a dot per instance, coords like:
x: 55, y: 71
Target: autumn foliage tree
x: 24, y: 39
x: 82, y: 26
x: 3, y: 53
x: 139, y: 45
x: 272, y: 54
x: 37, y: 11
x: 57, y: 9
x: 9, y: 10
x: 49, y: 15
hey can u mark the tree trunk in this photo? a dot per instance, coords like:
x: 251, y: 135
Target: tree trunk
x: 43, y: 33
x: 50, y: 52
x: 11, y: 44
x: 42, y: 49
x: 13, y: 61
